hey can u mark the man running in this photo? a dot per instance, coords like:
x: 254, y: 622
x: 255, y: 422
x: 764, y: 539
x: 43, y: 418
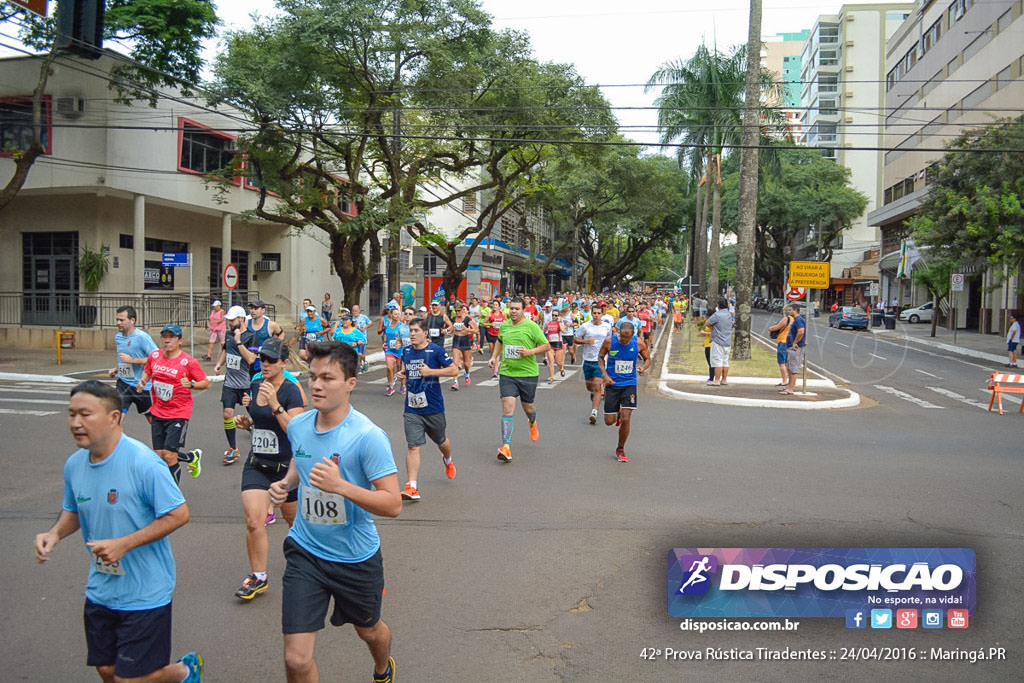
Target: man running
x: 590, y: 336
x: 120, y: 494
x: 236, y: 359
x: 394, y: 332
x: 133, y: 347
x: 438, y: 324
x: 313, y: 329
x: 174, y: 374
x: 514, y: 358
x: 345, y: 473
x: 362, y: 323
x: 272, y: 403
x: 568, y: 320
x: 423, y: 364
x: 617, y: 360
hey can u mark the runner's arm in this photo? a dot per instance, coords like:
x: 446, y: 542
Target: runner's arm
x: 111, y: 550
x: 66, y: 524
x: 645, y: 353
x: 280, y: 488
x: 601, y: 363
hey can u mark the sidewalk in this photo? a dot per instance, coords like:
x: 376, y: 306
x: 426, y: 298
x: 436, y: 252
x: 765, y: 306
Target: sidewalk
x: 988, y: 347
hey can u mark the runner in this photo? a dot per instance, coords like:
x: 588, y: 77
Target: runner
x: 424, y: 362
x: 174, y: 374
x: 345, y: 473
x: 474, y: 312
x: 262, y: 326
x: 591, y: 335
x: 236, y: 359
x: 347, y: 333
x: 133, y: 348
x: 464, y: 331
x: 520, y: 341
x: 483, y: 323
x: 438, y: 324
x: 494, y: 320
x: 617, y: 361
x: 394, y: 331
x: 313, y: 329
x: 568, y: 320
x: 119, y: 493
x: 272, y: 403
x: 363, y: 323
x: 556, y: 351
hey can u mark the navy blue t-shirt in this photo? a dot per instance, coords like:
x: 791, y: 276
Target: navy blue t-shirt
x: 798, y: 324
x: 423, y: 394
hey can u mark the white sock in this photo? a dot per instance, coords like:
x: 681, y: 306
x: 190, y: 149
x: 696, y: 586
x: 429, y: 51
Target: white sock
x: 446, y: 460
x: 262, y: 576
x: 412, y: 483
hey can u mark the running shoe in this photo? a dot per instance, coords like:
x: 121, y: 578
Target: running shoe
x: 593, y: 417
x: 534, y: 432
x: 194, y: 663
x: 505, y: 453
x: 449, y: 469
x: 390, y: 391
x: 620, y: 455
x: 230, y: 456
x: 271, y: 518
x: 562, y: 372
x: 389, y: 676
x: 251, y: 587
x: 401, y: 390
x: 551, y: 380
x: 409, y: 493
x: 467, y: 379
x: 494, y: 376
x: 195, y: 465
x: 455, y: 385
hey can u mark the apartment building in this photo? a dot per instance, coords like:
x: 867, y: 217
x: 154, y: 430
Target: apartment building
x: 951, y: 66
x: 781, y: 56
x: 843, y: 73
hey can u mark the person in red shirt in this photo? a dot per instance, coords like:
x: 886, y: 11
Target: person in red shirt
x: 556, y: 354
x: 496, y: 318
x: 175, y: 374
x: 531, y: 311
x: 645, y: 323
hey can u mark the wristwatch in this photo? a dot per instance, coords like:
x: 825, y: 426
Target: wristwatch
x: 279, y: 409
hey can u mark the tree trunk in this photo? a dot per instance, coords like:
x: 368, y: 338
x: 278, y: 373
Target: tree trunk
x: 23, y: 161
x: 747, y: 204
x: 701, y: 252
x: 694, y: 240
x: 716, y: 231
x: 452, y: 276
x: 351, y: 265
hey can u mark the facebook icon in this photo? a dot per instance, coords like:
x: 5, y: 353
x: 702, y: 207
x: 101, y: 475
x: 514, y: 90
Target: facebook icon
x: 856, y: 618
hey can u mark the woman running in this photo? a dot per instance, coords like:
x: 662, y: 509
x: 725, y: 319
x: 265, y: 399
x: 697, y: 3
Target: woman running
x: 464, y: 331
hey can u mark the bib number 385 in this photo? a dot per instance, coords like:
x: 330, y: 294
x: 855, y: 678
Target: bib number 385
x: 320, y: 507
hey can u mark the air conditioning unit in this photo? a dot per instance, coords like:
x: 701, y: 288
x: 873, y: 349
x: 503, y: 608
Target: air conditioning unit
x: 70, y: 107
x: 848, y: 119
x: 849, y: 43
x: 849, y: 94
x: 849, y: 69
x: 268, y: 266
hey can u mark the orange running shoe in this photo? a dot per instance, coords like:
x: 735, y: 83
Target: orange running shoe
x: 449, y: 469
x: 505, y: 453
x: 534, y: 432
x: 410, y: 493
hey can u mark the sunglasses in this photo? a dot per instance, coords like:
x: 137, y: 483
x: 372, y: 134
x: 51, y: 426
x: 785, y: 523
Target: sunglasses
x: 268, y: 359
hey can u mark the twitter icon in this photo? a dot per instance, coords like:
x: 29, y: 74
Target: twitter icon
x: 881, y: 618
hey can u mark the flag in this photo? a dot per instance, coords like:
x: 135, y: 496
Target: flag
x: 912, y: 257
x: 901, y: 269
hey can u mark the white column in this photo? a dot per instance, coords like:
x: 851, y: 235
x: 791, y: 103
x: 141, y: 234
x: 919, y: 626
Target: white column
x: 139, y: 244
x: 225, y: 232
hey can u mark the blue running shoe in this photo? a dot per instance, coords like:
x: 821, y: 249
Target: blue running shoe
x: 194, y: 662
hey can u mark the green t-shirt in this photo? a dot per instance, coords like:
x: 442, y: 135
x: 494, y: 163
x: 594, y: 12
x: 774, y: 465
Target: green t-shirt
x: 525, y: 334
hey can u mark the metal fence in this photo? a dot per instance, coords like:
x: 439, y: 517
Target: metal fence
x: 83, y: 309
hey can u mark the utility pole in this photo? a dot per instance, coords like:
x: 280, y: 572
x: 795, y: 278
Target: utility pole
x: 395, y: 232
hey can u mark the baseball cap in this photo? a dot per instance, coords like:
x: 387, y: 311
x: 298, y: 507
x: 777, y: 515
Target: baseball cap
x: 311, y: 308
x: 391, y: 304
x: 216, y: 303
x: 273, y: 348
x: 258, y: 303
x: 423, y: 308
x: 235, y: 312
x: 172, y: 328
x: 435, y: 302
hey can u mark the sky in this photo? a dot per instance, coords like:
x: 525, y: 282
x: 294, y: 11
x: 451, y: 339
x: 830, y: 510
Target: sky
x: 614, y: 46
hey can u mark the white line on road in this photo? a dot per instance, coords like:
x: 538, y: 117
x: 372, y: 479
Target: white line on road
x: 33, y: 390
x: 34, y: 400
x: 842, y: 344
x: 875, y: 355
x: 907, y: 397
x: 927, y: 373
x: 37, y: 413
x: 958, y: 397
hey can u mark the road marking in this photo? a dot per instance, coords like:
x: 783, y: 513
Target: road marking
x: 843, y: 345
x: 958, y: 397
x: 488, y: 383
x: 875, y: 355
x: 927, y: 373
x: 1007, y: 398
x: 907, y: 397
x: 34, y: 400
x: 37, y: 413
x: 26, y: 390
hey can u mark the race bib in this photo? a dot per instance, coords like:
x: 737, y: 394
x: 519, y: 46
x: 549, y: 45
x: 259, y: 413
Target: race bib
x: 125, y: 372
x: 554, y: 337
x: 163, y: 390
x: 114, y: 569
x: 623, y: 367
x: 513, y: 352
x: 417, y: 400
x: 310, y: 336
x: 233, y: 362
x: 320, y: 507
x: 264, y: 442
x: 395, y: 343
x: 433, y: 333
x: 458, y: 327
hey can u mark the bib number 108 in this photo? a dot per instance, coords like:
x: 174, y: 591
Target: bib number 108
x: 320, y: 507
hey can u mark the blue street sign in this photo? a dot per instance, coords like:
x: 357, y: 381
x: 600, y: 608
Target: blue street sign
x: 171, y: 259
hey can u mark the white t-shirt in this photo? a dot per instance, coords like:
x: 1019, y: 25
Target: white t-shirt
x: 597, y: 332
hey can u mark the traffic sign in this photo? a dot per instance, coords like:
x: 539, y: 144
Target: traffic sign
x: 35, y: 6
x: 956, y: 282
x: 231, y: 276
x: 796, y: 293
x: 170, y: 259
x: 810, y: 274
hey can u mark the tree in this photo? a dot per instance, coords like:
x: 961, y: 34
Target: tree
x: 974, y: 209
x: 162, y: 38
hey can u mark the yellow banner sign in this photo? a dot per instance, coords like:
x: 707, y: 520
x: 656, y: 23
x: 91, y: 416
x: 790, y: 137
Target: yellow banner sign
x: 811, y: 274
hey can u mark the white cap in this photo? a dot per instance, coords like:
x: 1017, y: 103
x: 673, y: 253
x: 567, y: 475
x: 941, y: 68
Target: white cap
x: 235, y: 312
x: 311, y: 308
x: 216, y: 303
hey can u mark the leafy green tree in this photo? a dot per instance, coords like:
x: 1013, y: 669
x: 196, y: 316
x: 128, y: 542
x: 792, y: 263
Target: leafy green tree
x: 162, y: 39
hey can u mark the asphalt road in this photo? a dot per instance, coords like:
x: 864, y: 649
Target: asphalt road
x: 552, y: 567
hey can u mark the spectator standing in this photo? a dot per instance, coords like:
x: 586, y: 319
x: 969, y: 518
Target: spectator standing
x: 327, y: 308
x: 1012, y: 340
x: 781, y: 330
x: 217, y: 327
x: 720, y: 323
x: 796, y: 341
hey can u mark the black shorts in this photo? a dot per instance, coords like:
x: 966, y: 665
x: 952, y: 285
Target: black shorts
x: 136, y: 643
x: 555, y: 345
x: 619, y: 398
x: 463, y: 342
x: 168, y: 435
x: 568, y: 339
x: 418, y: 427
x: 259, y: 474
x: 309, y: 583
x: 129, y: 397
x: 525, y: 388
x: 647, y: 336
x: 229, y: 398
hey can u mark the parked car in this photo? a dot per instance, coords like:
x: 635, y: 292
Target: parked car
x: 918, y: 314
x: 849, y: 316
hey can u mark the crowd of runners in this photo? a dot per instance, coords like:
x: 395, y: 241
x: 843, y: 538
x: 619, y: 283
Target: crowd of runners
x: 328, y: 469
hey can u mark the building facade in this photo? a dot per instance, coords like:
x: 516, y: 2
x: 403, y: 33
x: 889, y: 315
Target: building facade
x: 781, y: 56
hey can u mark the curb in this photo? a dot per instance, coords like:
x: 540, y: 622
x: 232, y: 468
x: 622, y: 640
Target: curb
x: 949, y: 348
x: 27, y: 377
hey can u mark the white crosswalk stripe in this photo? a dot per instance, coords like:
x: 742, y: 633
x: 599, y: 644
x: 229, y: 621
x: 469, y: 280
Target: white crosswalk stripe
x: 37, y: 413
x: 959, y: 397
x: 35, y: 400
x: 907, y: 397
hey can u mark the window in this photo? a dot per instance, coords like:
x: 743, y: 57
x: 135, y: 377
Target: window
x: 956, y: 11
x: 508, y: 230
x: 888, y: 196
x: 931, y: 37
x: 469, y: 203
x: 16, y: 124
x: 157, y: 244
x: 126, y: 241
x: 204, y: 150
x: 828, y: 57
x: 828, y: 34
x: 430, y: 265
x: 908, y: 185
x: 828, y: 84
x: 828, y: 107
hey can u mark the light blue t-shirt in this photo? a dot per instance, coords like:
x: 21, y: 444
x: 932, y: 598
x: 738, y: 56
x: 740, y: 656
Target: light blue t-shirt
x: 355, y: 337
x: 115, y: 497
x: 361, y: 321
x: 327, y: 525
x: 395, y: 338
x: 637, y: 324
x: 138, y: 344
